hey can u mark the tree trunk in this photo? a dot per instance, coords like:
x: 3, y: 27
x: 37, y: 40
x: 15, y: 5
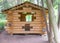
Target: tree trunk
x: 32, y: 1
x: 48, y: 29
x: 51, y: 28
x: 5, y: 4
x: 51, y: 35
x: 37, y: 2
x: 52, y: 20
x: 59, y: 16
x: 18, y: 1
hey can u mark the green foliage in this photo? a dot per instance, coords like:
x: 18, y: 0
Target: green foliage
x: 2, y: 21
x: 26, y: 0
x: 2, y: 16
x: 2, y: 24
x: 1, y: 0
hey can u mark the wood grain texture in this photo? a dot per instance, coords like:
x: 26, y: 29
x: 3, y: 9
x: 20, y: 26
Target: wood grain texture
x: 13, y: 18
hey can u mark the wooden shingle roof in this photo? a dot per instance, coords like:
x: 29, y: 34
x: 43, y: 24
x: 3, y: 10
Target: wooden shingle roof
x: 24, y: 4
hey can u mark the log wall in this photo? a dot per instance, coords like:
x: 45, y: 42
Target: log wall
x: 15, y: 25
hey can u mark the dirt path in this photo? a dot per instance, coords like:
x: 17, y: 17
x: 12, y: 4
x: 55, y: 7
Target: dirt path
x: 4, y: 38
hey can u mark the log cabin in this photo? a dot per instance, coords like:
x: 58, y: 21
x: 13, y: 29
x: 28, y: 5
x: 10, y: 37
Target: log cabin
x: 26, y: 18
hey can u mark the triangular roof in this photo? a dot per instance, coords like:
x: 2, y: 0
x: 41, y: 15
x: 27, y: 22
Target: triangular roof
x: 24, y: 4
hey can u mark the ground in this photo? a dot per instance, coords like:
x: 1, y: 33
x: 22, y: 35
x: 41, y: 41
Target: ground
x: 6, y: 38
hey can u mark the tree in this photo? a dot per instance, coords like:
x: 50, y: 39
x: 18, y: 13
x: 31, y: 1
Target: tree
x: 59, y: 15
x: 37, y: 2
x: 2, y: 21
x: 32, y: 1
x: 52, y: 19
x: 18, y: 1
x: 49, y: 32
x: 5, y: 4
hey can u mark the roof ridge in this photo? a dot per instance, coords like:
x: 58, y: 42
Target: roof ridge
x: 22, y: 4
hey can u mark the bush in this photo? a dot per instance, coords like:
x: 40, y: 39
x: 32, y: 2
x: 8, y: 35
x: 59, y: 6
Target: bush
x: 2, y: 26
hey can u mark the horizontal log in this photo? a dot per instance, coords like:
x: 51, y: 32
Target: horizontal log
x: 30, y: 29
x: 20, y: 28
x: 34, y: 22
x: 36, y: 29
x: 34, y: 25
x: 23, y: 29
x: 18, y: 20
x: 16, y: 15
x: 27, y: 32
x: 14, y: 31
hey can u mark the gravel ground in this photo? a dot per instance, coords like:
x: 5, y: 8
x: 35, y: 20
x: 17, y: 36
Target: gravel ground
x: 5, y: 38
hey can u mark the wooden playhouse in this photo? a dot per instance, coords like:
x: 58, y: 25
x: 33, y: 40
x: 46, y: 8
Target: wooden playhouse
x: 25, y: 18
